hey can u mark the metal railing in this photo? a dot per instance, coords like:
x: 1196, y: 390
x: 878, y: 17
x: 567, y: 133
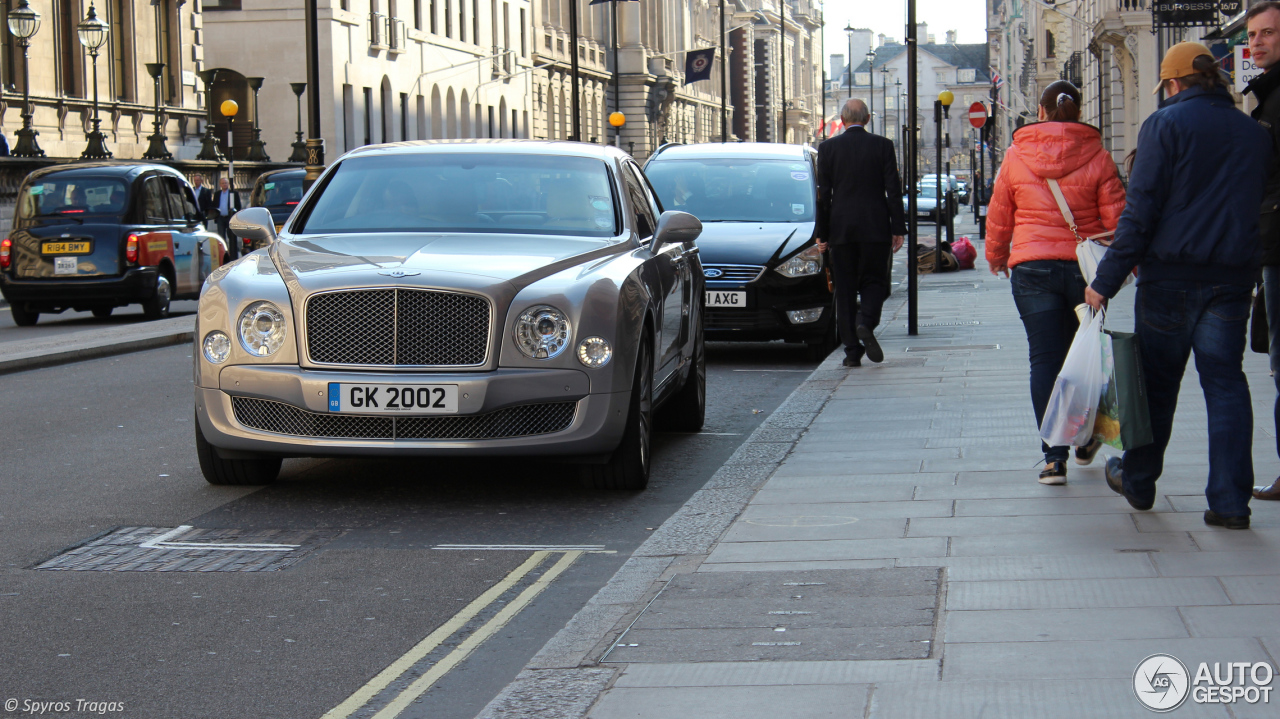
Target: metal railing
x: 377, y: 30
x: 1132, y: 5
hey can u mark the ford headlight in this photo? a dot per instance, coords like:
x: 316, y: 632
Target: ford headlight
x: 542, y: 332
x: 594, y: 352
x: 217, y: 347
x: 262, y: 329
x: 806, y: 262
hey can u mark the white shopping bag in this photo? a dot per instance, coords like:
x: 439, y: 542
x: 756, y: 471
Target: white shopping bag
x: 1089, y: 254
x: 1073, y: 406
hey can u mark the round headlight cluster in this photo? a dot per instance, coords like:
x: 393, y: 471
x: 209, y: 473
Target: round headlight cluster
x: 542, y: 332
x: 262, y: 329
x: 217, y: 347
x: 594, y: 352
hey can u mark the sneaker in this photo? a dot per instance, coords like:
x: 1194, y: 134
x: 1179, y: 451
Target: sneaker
x: 869, y: 343
x: 1085, y: 454
x: 1054, y: 472
x: 1214, y: 519
x: 1115, y: 480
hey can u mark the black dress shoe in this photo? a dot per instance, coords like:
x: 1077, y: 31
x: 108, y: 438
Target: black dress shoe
x: 869, y: 343
x: 851, y: 361
x: 1054, y: 472
x: 1272, y: 492
x: 1085, y: 454
x: 1115, y: 480
x: 1214, y: 519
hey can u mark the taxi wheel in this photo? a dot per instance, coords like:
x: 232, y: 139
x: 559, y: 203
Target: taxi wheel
x: 103, y: 312
x: 157, y: 306
x: 217, y: 470
x: 687, y: 410
x: 628, y: 466
x: 23, y: 317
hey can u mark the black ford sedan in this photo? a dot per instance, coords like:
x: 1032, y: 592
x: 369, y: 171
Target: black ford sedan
x: 96, y: 236
x: 765, y: 278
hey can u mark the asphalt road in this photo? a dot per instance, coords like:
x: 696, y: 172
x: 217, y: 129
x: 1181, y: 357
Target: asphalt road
x: 108, y: 443
x: 70, y: 322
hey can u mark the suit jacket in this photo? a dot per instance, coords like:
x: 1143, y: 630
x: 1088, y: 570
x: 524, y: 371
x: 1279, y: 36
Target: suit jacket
x: 234, y: 203
x: 859, y: 193
x: 204, y: 200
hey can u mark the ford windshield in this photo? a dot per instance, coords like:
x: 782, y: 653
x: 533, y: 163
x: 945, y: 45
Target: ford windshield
x: 736, y: 190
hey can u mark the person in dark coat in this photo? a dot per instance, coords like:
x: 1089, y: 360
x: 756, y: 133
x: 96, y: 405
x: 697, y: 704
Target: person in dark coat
x: 204, y: 198
x: 1190, y: 226
x: 1264, y: 46
x: 226, y: 202
x: 860, y: 224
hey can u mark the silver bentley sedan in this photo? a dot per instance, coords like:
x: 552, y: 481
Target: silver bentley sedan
x: 456, y: 298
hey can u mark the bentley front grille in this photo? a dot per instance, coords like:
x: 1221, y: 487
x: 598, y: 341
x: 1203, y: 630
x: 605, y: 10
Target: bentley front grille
x: 397, y: 327
x: 732, y: 273
x: 520, y: 421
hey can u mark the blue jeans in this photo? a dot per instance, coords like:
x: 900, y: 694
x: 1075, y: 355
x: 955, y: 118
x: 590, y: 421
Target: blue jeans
x: 1046, y: 293
x: 1271, y: 284
x: 1172, y: 319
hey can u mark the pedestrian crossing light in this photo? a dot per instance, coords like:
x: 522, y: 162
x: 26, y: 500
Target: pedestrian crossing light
x: 617, y: 119
x: 946, y: 98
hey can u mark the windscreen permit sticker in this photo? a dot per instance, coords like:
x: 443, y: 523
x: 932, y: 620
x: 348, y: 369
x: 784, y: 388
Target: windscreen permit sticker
x: 37, y: 190
x: 601, y: 204
x: 797, y: 209
x: 604, y: 223
x: 269, y: 186
x: 800, y: 176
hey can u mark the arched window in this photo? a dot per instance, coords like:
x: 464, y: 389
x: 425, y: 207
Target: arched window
x: 502, y: 119
x: 388, y: 111
x: 451, y: 115
x: 120, y: 51
x: 437, y: 114
x: 464, y: 113
x: 422, y: 118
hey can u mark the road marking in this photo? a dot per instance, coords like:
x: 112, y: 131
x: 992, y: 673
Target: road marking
x: 806, y: 371
x: 493, y: 626
x: 162, y: 542
x: 593, y: 548
x: 709, y: 434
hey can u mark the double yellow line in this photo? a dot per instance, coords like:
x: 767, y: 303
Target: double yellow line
x: 409, y: 694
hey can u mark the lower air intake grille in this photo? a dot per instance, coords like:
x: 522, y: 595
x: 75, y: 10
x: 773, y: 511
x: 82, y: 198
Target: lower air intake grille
x: 520, y: 421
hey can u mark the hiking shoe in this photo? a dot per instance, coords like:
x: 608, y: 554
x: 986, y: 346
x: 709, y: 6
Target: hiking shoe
x: 1054, y: 472
x: 1214, y: 519
x: 869, y: 343
x: 1115, y: 480
x: 1085, y: 454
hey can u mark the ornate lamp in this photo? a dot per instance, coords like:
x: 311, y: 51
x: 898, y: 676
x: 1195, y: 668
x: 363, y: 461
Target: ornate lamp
x: 257, y: 148
x: 209, y: 143
x: 24, y: 23
x: 299, y: 145
x: 229, y: 109
x: 93, y: 35
x: 156, y: 149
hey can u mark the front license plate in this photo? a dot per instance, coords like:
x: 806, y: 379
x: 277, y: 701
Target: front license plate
x: 64, y: 265
x: 64, y: 248
x: 727, y: 299
x: 393, y: 398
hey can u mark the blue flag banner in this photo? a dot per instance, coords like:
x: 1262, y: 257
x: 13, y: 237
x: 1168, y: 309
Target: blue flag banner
x: 697, y: 64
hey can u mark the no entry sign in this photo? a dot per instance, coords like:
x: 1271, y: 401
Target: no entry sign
x: 977, y: 114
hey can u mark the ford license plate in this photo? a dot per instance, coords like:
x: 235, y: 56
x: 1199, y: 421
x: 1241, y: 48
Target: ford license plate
x: 356, y: 398
x: 727, y: 299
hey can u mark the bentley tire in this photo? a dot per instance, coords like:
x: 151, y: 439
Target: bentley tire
x: 628, y: 465
x: 687, y: 410
x: 221, y: 471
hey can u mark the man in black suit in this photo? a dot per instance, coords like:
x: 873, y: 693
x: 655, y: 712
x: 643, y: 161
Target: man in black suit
x: 204, y: 198
x: 226, y: 202
x: 860, y: 226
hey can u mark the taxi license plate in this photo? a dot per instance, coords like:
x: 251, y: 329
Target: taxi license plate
x: 64, y: 248
x: 357, y: 398
x: 727, y: 299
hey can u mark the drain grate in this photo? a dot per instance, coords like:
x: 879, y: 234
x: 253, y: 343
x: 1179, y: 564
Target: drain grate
x: 943, y: 324
x: 950, y: 348
x: 187, y: 549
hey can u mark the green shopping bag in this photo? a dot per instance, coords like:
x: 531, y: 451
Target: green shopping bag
x: 1123, y: 420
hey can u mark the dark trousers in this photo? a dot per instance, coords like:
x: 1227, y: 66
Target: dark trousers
x: 1046, y: 293
x: 1172, y: 319
x: 233, y: 245
x: 1271, y: 286
x: 860, y: 271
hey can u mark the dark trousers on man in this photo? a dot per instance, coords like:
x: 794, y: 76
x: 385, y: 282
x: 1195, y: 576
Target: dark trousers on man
x: 1172, y: 318
x: 860, y: 272
x: 233, y: 245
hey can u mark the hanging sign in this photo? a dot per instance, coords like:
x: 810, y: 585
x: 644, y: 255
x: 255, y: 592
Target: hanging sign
x: 1184, y: 13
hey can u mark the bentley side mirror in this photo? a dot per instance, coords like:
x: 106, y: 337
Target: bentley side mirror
x: 255, y: 224
x: 676, y: 227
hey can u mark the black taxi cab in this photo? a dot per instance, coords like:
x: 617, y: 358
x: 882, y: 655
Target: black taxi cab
x: 279, y: 191
x: 96, y: 236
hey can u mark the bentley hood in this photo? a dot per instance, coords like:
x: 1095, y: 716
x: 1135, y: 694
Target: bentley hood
x: 751, y: 243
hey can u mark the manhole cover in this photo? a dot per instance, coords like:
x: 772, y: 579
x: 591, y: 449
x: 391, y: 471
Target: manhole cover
x: 829, y: 614
x: 187, y: 549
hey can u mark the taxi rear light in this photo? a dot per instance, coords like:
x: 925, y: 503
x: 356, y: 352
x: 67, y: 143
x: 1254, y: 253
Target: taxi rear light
x: 6, y: 245
x: 131, y: 248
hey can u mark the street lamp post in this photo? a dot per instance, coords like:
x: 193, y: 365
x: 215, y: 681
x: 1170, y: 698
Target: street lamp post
x: 884, y: 97
x: 93, y: 35
x: 24, y: 23
x: 782, y: 66
x: 913, y: 225
x: 257, y: 148
x: 209, y: 143
x: 941, y: 109
x: 156, y: 149
x: 315, y: 142
x: 902, y: 126
x: 849, y: 80
x: 871, y: 90
x: 299, y: 145
x: 229, y: 108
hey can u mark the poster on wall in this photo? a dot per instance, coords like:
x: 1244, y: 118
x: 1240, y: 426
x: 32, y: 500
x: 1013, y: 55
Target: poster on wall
x: 1245, y: 70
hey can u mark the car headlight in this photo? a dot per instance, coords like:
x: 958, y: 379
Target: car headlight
x: 806, y: 262
x: 217, y: 346
x: 594, y: 352
x: 542, y: 332
x: 262, y: 329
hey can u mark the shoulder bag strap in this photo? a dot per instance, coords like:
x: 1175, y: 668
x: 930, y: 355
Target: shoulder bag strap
x: 1062, y: 207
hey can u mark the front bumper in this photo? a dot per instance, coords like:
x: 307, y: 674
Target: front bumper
x: 298, y: 423
x: 135, y: 285
x: 765, y: 316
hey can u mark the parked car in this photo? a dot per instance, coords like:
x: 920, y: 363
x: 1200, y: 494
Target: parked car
x: 927, y: 203
x: 962, y: 189
x: 96, y: 236
x: 452, y: 298
x: 279, y: 191
x: 766, y: 279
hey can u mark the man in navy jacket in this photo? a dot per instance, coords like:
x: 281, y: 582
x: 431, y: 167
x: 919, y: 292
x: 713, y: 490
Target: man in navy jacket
x: 1191, y: 229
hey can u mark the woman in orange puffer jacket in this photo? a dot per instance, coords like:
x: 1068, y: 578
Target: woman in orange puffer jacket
x: 1029, y: 240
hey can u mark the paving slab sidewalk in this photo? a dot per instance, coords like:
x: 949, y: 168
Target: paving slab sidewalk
x: 1049, y: 596
x: 90, y: 344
